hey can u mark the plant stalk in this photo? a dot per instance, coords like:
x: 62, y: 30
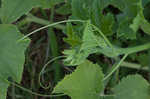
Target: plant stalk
x: 35, y: 19
x: 135, y: 49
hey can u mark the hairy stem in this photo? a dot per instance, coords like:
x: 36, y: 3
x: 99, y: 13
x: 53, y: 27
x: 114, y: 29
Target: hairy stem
x: 135, y: 49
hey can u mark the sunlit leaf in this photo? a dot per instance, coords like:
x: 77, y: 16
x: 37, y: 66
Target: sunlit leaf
x: 86, y: 82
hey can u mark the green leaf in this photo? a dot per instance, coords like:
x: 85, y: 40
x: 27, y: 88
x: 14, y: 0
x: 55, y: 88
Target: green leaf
x: 145, y: 26
x: 11, y: 10
x: 104, y: 22
x: 92, y: 42
x: 11, y: 56
x: 107, y: 24
x: 64, y: 9
x: 83, y: 9
x: 49, y: 3
x: 136, y: 23
x: 93, y: 10
x: 75, y: 56
x: 125, y: 31
x: 80, y: 8
x: 129, y: 20
x: 3, y: 90
x: 132, y: 87
x: 140, y: 21
x: 80, y: 52
x: 143, y: 59
x: 86, y: 82
x: 131, y: 9
x: 145, y: 2
x: 72, y: 38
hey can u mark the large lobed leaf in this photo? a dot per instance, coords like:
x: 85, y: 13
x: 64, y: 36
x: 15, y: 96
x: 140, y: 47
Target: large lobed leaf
x: 11, y: 56
x: 132, y: 87
x: 86, y: 82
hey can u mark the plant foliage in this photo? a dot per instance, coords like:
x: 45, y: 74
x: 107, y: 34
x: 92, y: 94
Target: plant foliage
x: 91, y: 84
x: 11, y: 64
x: 110, y: 28
x: 132, y: 87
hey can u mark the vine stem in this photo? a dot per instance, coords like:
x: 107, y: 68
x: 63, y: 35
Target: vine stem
x: 50, y: 25
x: 134, y: 66
x: 32, y: 18
x: 29, y: 91
x: 43, y: 69
x: 116, y: 67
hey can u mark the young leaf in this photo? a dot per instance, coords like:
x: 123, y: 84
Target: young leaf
x: 132, y: 87
x: 85, y: 83
x: 75, y: 56
x: 90, y: 40
x: 11, y: 56
x: 91, y: 43
x: 88, y: 46
x: 72, y: 38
